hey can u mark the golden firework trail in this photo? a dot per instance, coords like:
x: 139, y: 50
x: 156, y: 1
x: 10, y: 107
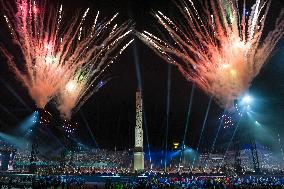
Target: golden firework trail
x: 57, y: 49
x: 221, y: 48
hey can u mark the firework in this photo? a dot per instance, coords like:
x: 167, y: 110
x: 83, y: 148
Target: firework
x: 221, y: 49
x: 55, y: 49
x: 86, y: 82
x: 45, y: 117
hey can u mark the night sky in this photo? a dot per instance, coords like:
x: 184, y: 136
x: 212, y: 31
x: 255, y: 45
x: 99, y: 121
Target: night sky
x: 110, y: 113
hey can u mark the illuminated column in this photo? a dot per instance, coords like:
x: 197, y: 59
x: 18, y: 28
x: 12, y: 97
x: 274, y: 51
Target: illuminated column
x: 138, y: 148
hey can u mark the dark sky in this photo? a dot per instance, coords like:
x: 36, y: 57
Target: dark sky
x: 111, y: 112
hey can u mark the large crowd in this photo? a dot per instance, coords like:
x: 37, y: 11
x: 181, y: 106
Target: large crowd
x: 151, y: 182
x: 87, y: 160
x: 103, y: 158
x: 199, y: 183
x: 105, y: 161
x: 22, y: 181
x: 98, y: 162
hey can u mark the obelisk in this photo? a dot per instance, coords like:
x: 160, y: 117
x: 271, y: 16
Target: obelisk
x: 138, y: 147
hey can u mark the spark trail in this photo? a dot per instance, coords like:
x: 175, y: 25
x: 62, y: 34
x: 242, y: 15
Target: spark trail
x: 59, y: 53
x: 221, y: 48
x: 86, y: 82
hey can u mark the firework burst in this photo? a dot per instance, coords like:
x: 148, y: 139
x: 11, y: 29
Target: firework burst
x: 55, y: 51
x: 221, y: 49
x: 85, y: 81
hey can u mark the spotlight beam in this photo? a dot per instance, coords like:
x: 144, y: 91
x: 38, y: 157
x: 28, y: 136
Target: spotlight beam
x: 88, y: 127
x: 15, y: 94
x: 188, y: 116
x: 247, y: 100
x: 8, y: 112
x: 188, y: 113
x: 168, y: 112
x: 203, y: 127
x: 217, y: 134
x: 231, y: 140
x: 28, y: 123
x: 15, y: 141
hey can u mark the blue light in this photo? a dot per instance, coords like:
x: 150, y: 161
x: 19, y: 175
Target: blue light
x: 29, y: 122
x: 247, y: 100
x: 13, y: 140
x: 257, y: 123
